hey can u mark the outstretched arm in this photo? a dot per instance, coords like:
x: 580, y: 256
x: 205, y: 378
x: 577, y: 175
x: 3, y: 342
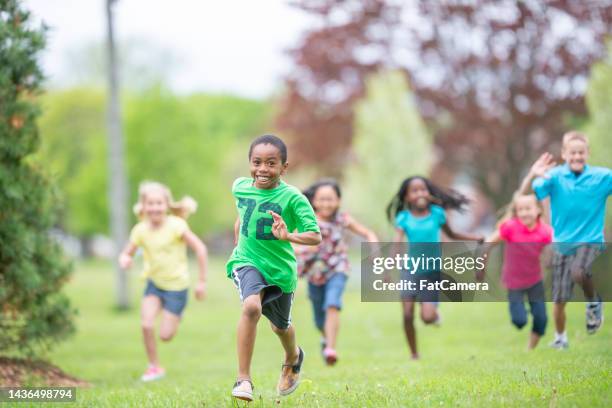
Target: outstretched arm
x: 457, y: 236
x: 361, y: 230
x: 484, y: 250
x: 539, y: 168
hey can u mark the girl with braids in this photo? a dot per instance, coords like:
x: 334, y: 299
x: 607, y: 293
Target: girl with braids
x: 418, y: 212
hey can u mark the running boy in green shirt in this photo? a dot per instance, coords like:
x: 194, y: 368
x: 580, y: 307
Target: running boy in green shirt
x: 263, y: 265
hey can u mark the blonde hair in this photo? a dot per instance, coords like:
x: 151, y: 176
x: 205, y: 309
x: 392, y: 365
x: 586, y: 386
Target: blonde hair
x: 182, y: 208
x: 509, y: 211
x: 575, y: 135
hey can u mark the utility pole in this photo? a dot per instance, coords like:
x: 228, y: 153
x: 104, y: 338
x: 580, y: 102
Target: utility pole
x: 117, y: 186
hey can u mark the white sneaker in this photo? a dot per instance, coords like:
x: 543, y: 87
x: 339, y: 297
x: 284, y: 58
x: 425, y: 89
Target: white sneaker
x: 594, y: 316
x: 559, y: 344
x: 243, y: 389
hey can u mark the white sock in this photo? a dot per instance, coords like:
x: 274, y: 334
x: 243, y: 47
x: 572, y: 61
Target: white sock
x: 561, y: 336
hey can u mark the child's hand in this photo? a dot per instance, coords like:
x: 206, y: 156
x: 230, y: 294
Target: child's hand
x: 279, y: 228
x: 125, y: 261
x: 480, y: 274
x: 200, y: 290
x: 544, y: 163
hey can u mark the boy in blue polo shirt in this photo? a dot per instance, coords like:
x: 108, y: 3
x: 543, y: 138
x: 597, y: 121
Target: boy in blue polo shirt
x: 578, y: 195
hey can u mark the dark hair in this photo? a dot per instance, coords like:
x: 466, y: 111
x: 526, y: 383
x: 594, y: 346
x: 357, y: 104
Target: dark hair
x: 274, y: 141
x: 446, y: 198
x: 312, y: 190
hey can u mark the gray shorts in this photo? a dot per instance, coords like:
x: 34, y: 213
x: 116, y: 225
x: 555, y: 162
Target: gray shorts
x: 275, y: 304
x: 562, y: 281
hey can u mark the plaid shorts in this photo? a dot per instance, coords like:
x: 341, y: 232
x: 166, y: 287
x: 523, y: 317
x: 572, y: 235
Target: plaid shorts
x: 562, y: 281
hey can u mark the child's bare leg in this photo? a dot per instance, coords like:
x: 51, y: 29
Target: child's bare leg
x: 247, y: 330
x: 579, y: 276
x: 287, y: 339
x: 559, y: 315
x: 151, y: 306
x: 534, y: 339
x: 588, y: 288
x: 169, y: 325
x: 429, y: 312
x: 332, y: 324
x: 408, y: 309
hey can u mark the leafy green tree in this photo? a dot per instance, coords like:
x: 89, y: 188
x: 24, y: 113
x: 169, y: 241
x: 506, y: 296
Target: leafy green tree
x: 74, y: 149
x: 195, y: 144
x: 33, y: 311
x: 391, y: 143
x: 190, y: 144
x: 599, y: 124
x: 599, y: 103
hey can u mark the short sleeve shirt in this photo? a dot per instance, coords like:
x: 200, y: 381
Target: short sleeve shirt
x: 257, y: 246
x: 421, y: 231
x: 522, y: 252
x: 164, y: 252
x: 578, y: 203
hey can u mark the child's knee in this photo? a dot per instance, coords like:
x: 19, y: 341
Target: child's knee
x: 166, y: 335
x: 277, y: 330
x: 429, y: 318
x: 333, y: 309
x: 251, y: 308
x: 147, y: 324
x: 578, y: 275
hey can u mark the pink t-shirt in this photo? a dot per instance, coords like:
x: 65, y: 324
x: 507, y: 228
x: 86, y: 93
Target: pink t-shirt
x: 522, y: 252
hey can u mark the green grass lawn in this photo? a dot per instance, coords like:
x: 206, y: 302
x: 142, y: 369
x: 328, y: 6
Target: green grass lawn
x: 476, y: 358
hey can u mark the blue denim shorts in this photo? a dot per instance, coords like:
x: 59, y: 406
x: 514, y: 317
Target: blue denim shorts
x: 173, y: 301
x: 325, y: 296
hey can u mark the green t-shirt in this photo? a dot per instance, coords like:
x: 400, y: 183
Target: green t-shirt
x: 257, y: 246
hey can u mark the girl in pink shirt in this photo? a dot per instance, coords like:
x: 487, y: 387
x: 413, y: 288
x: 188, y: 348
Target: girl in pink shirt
x: 525, y: 236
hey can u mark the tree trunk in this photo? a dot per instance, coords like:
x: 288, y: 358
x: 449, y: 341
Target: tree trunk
x: 117, y: 179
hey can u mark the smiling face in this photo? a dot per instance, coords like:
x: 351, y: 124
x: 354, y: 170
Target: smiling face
x: 326, y: 202
x: 527, y: 210
x: 417, y: 194
x: 575, y: 152
x: 266, y: 165
x: 155, y: 205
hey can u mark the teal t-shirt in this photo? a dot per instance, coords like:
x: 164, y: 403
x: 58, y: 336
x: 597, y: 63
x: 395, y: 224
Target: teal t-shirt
x: 423, y: 233
x: 577, y: 204
x: 257, y: 246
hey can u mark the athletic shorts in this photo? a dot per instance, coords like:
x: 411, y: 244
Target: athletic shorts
x: 275, y: 304
x: 562, y: 282
x: 421, y: 295
x: 173, y: 301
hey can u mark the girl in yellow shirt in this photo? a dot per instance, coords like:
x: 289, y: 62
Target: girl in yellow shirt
x: 163, y: 235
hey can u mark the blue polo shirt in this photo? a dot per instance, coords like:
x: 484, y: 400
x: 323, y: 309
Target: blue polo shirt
x: 578, y: 202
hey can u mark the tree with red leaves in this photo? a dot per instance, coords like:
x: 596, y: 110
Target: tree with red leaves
x: 497, y: 82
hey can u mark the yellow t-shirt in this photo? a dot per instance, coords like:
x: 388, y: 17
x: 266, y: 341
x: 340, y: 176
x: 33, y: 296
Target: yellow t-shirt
x: 164, y: 252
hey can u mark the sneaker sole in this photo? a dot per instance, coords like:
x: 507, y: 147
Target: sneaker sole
x: 241, y: 395
x: 297, y: 383
x: 158, y: 377
x: 289, y: 390
x: 331, y: 360
x: 595, y: 329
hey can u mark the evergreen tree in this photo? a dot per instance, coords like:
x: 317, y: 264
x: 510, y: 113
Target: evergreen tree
x: 33, y: 311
